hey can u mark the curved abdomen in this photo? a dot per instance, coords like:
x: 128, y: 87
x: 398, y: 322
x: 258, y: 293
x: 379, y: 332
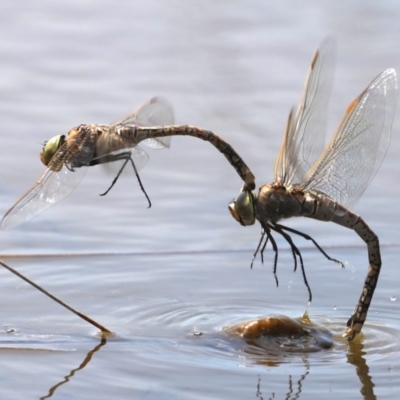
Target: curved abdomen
x: 329, y: 210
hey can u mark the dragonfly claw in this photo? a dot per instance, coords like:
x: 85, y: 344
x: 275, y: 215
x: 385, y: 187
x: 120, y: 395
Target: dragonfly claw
x: 354, y: 328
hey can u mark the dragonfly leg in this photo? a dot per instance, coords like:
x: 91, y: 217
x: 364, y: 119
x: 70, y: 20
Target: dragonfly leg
x: 274, y: 247
x: 263, y: 248
x: 293, y: 248
x: 126, y: 156
x: 140, y: 182
x: 258, y: 248
x: 295, y: 251
x: 69, y: 168
x: 307, y: 237
x: 116, y: 178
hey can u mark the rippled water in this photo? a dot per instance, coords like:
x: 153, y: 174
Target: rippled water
x: 168, y: 280
x: 168, y: 313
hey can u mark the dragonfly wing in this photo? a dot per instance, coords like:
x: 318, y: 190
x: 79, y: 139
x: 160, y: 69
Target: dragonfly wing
x: 305, y: 131
x: 359, y: 144
x: 159, y: 143
x: 64, y: 172
x: 113, y: 164
x: 51, y: 188
x: 154, y: 112
x: 140, y: 157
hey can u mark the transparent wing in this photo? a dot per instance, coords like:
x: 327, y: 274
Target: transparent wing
x: 356, y: 150
x: 140, y: 157
x: 58, y: 181
x: 304, y: 138
x: 154, y: 112
x: 112, y: 165
x: 51, y: 188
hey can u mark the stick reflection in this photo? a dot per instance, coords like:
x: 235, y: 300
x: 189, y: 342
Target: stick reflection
x: 84, y: 363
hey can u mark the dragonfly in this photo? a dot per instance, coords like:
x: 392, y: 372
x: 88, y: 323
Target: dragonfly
x: 324, y: 183
x: 67, y: 157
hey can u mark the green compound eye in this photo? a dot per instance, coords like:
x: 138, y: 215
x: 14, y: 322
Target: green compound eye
x: 242, y: 209
x: 50, y: 148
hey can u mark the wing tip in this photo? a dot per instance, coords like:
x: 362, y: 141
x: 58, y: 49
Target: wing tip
x: 6, y: 225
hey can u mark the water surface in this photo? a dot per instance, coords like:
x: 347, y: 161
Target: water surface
x: 167, y: 280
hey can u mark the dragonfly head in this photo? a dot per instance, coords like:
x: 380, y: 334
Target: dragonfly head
x: 50, y: 148
x: 243, y: 208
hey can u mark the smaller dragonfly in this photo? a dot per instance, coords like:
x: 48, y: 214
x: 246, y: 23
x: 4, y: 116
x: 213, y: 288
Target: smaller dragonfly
x: 322, y: 184
x: 67, y: 157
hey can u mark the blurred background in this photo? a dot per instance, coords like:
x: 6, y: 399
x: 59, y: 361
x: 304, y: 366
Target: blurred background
x: 233, y: 67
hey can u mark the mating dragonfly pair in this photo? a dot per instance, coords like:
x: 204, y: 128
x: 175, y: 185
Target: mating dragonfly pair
x: 308, y: 180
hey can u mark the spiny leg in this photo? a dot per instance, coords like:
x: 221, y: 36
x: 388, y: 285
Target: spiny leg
x: 69, y: 168
x: 126, y: 156
x: 263, y: 248
x: 295, y: 250
x: 292, y: 248
x: 116, y: 178
x: 140, y: 182
x: 274, y: 247
x: 263, y: 234
x: 307, y: 237
x: 258, y: 248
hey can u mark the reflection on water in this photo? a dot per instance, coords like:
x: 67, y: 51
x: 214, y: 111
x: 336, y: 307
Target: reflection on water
x: 169, y: 328
x: 294, y: 384
x: 235, y: 70
x: 83, y: 364
x: 355, y: 356
x: 294, y: 387
x: 273, y: 338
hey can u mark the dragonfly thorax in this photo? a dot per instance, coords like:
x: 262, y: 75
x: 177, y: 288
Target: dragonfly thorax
x: 275, y: 202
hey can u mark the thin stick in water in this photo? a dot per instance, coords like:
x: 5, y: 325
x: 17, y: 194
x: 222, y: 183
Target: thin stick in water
x: 56, y: 299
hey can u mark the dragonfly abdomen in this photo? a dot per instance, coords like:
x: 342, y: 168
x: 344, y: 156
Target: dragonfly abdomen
x: 187, y: 130
x: 355, y: 222
x: 329, y: 210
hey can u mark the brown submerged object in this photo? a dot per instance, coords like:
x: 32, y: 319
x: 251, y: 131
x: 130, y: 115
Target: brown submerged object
x: 282, y: 333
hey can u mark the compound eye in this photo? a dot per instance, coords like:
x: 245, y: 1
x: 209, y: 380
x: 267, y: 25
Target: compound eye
x: 242, y: 209
x: 50, y: 148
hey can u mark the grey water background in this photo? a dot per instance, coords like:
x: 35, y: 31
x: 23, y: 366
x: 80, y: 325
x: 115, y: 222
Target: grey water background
x: 156, y: 276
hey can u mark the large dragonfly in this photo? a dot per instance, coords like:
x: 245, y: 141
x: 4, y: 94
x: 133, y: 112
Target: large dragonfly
x: 67, y: 157
x: 318, y: 183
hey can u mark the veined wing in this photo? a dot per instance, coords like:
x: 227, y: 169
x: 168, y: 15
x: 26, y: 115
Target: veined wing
x: 58, y: 181
x: 108, y: 158
x: 51, y: 188
x: 304, y: 138
x: 154, y: 112
x: 357, y: 148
